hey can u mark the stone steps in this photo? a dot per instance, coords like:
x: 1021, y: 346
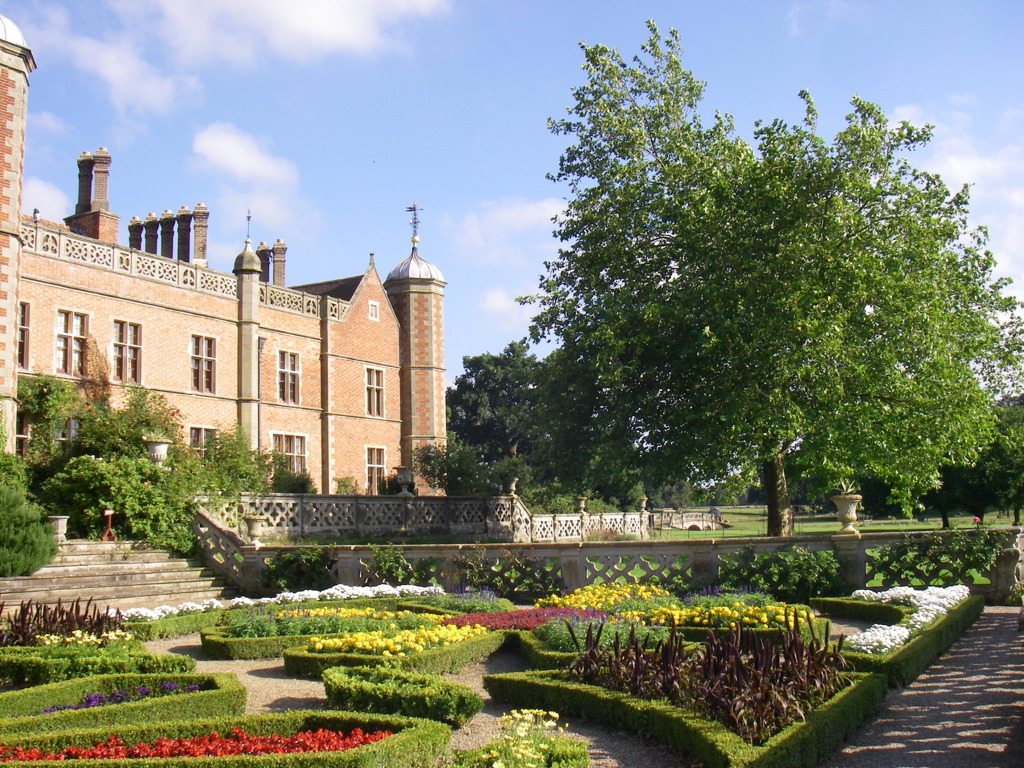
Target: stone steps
x: 115, y: 574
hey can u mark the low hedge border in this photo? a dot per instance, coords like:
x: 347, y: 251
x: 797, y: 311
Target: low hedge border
x: 800, y: 745
x: 537, y: 653
x: 416, y: 743
x: 390, y: 691
x: 904, y: 665
x: 862, y: 610
x: 564, y: 753
x: 175, y: 626
x: 222, y: 696
x: 20, y: 666
x: 298, y: 662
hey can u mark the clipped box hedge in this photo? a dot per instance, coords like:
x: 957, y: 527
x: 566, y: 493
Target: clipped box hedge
x: 298, y: 662
x: 218, y: 644
x: 176, y: 626
x: 537, y: 653
x: 860, y: 610
x: 221, y: 695
x: 416, y: 743
x: 904, y: 665
x: 49, y: 664
x: 390, y: 691
x: 564, y: 753
x: 800, y: 745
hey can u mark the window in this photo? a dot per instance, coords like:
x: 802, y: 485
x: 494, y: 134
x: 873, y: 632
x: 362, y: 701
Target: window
x: 293, y: 448
x: 374, y: 470
x: 21, y: 433
x: 288, y: 377
x: 204, y: 360
x: 68, y: 433
x: 23, y: 316
x: 72, y: 330
x: 374, y: 392
x: 127, y: 351
x: 199, y: 437
x: 374, y: 309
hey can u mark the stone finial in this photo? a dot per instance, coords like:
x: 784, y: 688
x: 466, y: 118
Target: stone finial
x: 135, y: 233
x: 167, y: 234
x: 279, y: 250
x: 85, y: 166
x: 184, y: 218
x: 265, y: 254
x: 101, y: 180
x: 200, y: 220
x: 152, y: 227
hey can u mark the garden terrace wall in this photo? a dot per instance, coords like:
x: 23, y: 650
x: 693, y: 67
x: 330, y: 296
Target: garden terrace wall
x: 581, y: 563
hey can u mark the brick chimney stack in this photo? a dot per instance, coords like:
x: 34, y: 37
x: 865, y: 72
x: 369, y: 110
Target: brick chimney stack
x: 167, y: 234
x: 152, y: 227
x: 184, y: 234
x: 135, y: 233
x: 92, y: 217
x: 279, y: 249
x: 265, y: 254
x: 200, y: 220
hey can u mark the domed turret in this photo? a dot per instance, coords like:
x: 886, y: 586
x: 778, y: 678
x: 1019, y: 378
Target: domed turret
x: 247, y: 260
x: 415, y: 268
x: 11, y: 33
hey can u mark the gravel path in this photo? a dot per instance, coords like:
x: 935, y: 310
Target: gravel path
x: 966, y: 712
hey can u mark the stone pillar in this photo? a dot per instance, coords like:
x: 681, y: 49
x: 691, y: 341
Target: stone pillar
x: 200, y: 219
x: 85, y: 165
x: 184, y: 218
x: 167, y: 234
x: 247, y: 269
x: 852, y: 558
x: 152, y: 227
x: 101, y: 180
x: 279, y: 249
x: 135, y: 233
x: 264, y: 252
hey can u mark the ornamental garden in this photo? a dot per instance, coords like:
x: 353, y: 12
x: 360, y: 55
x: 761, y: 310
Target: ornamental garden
x: 728, y: 677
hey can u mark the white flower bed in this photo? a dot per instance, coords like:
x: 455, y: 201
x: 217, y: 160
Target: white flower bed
x: 928, y: 604
x: 337, y: 592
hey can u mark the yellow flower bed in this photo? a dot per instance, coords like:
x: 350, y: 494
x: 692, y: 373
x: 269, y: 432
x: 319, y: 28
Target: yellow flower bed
x: 80, y: 637
x: 778, y: 616
x: 389, y: 643
x: 346, y: 613
x: 602, y: 597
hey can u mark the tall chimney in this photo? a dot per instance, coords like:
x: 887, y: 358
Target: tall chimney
x: 152, y: 225
x: 279, y: 249
x: 101, y: 180
x: 85, y: 165
x: 200, y: 219
x: 184, y: 234
x: 135, y: 233
x: 167, y: 234
x: 263, y: 251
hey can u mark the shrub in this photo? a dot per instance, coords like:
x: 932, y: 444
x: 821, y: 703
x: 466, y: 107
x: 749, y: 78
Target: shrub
x: 391, y: 566
x: 397, y: 692
x: 26, y: 540
x: 940, y: 558
x: 791, y: 574
x: 30, y: 620
x: 528, y: 619
x: 298, y: 569
x: 50, y: 664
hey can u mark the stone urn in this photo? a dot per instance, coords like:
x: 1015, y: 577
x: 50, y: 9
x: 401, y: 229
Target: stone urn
x: 255, y: 526
x: 60, y: 527
x: 847, y: 503
x: 157, y: 447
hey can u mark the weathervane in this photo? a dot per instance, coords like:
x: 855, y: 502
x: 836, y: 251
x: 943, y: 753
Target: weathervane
x: 415, y: 220
x: 248, y: 221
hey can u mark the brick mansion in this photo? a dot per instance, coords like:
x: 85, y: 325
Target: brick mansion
x: 344, y: 377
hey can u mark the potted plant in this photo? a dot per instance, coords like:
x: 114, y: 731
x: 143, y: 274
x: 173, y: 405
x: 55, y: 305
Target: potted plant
x: 846, y: 502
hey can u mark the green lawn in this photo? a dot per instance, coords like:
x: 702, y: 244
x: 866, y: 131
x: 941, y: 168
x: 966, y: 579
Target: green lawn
x: 752, y: 521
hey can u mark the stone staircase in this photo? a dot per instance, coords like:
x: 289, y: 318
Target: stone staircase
x: 120, y: 574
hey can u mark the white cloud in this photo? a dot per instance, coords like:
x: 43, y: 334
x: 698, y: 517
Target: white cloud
x: 509, y: 232
x: 803, y: 11
x: 508, y: 314
x: 197, y: 32
x: 250, y: 178
x: 135, y: 85
x: 46, y: 122
x: 51, y: 201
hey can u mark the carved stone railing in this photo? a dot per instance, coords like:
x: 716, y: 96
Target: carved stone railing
x: 583, y: 526
x: 67, y: 246
x: 578, y: 564
x: 661, y: 519
x: 225, y: 552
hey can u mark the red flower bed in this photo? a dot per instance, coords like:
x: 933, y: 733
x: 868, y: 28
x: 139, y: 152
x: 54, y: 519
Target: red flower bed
x: 214, y: 745
x: 528, y: 619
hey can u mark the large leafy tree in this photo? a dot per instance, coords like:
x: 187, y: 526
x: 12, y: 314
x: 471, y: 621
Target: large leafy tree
x: 742, y: 300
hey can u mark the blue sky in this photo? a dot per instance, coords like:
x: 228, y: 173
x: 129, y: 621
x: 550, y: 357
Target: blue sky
x: 327, y: 118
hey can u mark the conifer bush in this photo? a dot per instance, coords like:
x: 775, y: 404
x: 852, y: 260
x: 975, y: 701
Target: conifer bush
x: 26, y: 539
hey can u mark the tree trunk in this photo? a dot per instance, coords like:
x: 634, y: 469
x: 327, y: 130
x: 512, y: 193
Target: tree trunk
x: 1016, y: 515
x: 780, y: 512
